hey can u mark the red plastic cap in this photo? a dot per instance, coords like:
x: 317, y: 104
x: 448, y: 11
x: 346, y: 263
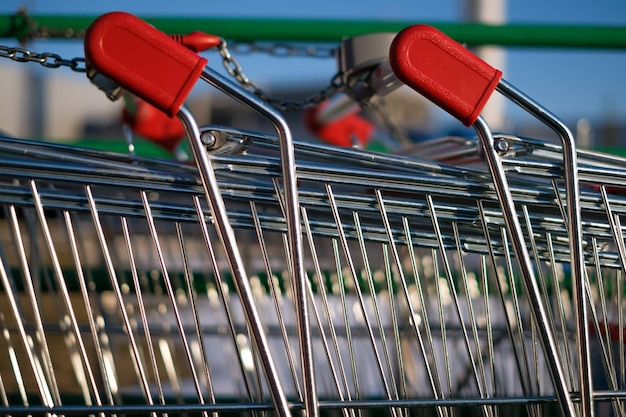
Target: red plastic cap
x: 142, y: 60
x: 443, y: 71
x: 197, y: 41
x: 151, y: 123
x: 342, y: 131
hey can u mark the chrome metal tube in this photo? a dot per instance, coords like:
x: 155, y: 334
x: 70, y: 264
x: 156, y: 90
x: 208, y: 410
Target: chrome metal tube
x: 514, y: 229
x: 240, y: 278
x: 570, y: 168
x: 294, y: 226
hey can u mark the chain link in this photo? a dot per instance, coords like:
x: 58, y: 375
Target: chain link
x: 78, y: 64
x: 46, y: 59
x: 232, y: 66
x: 284, y: 50
x: 234, y: 70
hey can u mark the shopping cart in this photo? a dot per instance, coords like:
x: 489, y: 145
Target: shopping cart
x: 135, y: 285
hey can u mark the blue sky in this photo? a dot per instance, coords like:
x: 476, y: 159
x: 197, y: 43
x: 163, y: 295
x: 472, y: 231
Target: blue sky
x: 572, y: 83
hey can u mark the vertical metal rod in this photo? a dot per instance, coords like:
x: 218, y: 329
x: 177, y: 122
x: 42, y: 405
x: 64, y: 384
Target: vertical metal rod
x: 514, y: 229
x: 272, y: 284
x: 403, y: 283
x: 108, y: 261
x: 346, y: 318
x: 559, y: 301
x: 327, y: 311
x: 15, y: 364
x: 141, y: 306
x: 4, y: 400
x: 235, y: 261
x: 40, y: 379
x: 367, y: 269
x: 543, y: 286
x: 487, y: 316
x: 359, y: 294
x: 429, y: 361
x: 58, y: 272
x: 191, y: 299
x: 35, y: 303
x: 473, y: 361
x: 395, y: 323
x: 462, y: 268
x: 577, y: 262
x: 219, y: 284
x: 172, y: 296
x: 618, y: 238
x: 111, y: 379
x: 89, y: 291
x: 442, y: 323
x: 605, y: 342
x: 290, y: 184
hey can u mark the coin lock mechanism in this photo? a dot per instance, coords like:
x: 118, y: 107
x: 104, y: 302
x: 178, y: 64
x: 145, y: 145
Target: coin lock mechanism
x: 364, y: 61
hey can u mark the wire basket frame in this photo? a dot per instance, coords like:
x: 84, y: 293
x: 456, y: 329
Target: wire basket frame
x: 414, y: 295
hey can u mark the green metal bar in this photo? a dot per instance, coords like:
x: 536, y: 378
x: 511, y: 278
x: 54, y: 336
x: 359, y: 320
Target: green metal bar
x: 308, y: 30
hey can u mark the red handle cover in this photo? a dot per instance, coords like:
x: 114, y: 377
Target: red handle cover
x: 143, y: 60
x: 197, y: 41
x: 443, y: 71
x: 341, y: 131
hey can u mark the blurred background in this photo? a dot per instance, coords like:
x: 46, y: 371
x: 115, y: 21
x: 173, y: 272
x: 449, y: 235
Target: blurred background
x: 586, y: 88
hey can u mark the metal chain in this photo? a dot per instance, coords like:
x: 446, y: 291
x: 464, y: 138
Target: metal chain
x: 51, y: 60
x: 284, y: 49
x: 234, y: 70
x: 43, y: 32
x: 78, y: 64
x: 46, y: 59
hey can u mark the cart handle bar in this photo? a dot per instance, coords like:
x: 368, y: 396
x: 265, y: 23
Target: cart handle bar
x: 459, y: 82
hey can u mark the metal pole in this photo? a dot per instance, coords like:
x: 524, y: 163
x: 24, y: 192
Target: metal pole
x: 491, y: 12
x: 333, y: 30
x: 294, y: 227
x: 228, y: 239
x: 514, y: 229
x: 574, y: 225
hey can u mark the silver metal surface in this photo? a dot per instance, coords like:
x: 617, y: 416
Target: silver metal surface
x: 411, y: 280
x: 514, y: 229
x: 571, y: 178
x: 136, y: 285
x: 294, y: 227
x: 233, y: 254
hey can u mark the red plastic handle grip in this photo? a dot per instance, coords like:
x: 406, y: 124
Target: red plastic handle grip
x: 197, y: 41
x: 443, y: 71
x: 142, y: 60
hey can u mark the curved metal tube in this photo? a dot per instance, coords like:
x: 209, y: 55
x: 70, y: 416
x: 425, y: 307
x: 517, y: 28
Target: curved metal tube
x: 294, y: 226
x: 240, y: 278
x: 570, y: 168
x: 526, y: 267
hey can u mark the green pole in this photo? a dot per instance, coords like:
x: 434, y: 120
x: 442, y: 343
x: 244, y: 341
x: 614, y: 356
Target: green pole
x: 309, y: 30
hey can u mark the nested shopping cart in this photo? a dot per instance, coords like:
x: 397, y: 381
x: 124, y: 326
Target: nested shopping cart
x: 272, y: 276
